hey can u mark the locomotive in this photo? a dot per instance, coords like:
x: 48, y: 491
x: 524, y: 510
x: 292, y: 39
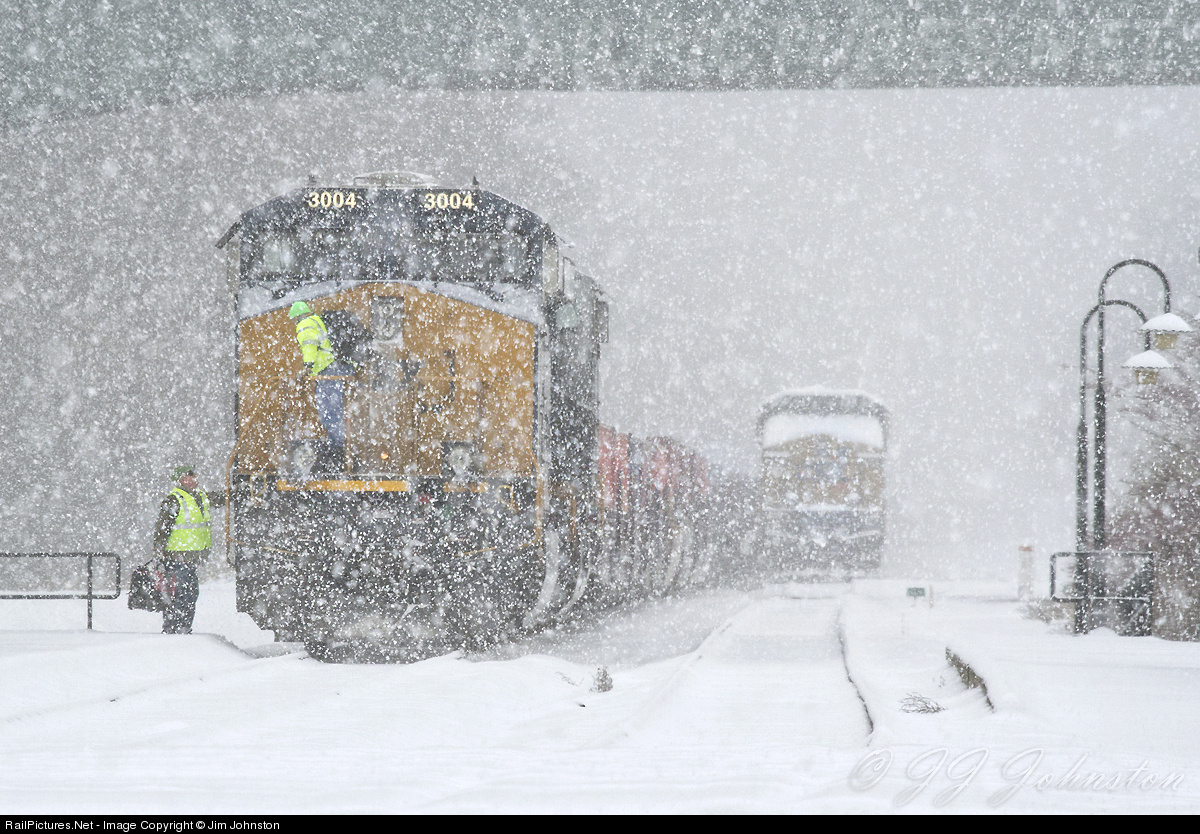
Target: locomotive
x: 477, y: 493
x: 822, y: 509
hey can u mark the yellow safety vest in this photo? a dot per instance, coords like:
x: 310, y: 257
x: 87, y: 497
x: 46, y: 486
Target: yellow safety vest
x: 315, y: 347
x: 193, y: 524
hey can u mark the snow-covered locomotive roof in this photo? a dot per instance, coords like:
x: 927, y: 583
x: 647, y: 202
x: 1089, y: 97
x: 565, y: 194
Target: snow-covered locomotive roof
x: 400, y: 227
x: 848, y: 415
x: 781, y: 429
x: 821, y: 391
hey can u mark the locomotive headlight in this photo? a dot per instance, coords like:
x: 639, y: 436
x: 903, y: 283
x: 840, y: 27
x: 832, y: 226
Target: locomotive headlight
x: 341, y: 534
x: 300, y: 459
x: 341, y: 540
x: 458, y: 460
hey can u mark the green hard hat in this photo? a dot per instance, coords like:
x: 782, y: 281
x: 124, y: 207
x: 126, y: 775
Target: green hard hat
x: 299, y: 309
x: 181, y: 470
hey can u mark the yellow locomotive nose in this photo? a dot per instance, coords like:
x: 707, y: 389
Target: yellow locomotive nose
x: 447, y: 376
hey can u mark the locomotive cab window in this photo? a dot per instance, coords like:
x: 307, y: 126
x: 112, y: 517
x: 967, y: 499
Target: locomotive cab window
x: 566, y: 317
x: 455, y: 256
x: 277, y: 255
x: 390, y: 240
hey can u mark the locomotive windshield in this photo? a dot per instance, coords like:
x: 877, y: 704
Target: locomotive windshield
x: 389, y: 236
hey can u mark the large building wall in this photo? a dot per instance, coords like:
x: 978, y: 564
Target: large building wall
x: 68, y: 59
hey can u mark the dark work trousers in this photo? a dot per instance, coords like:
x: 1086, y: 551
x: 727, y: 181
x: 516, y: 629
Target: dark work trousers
x: 181, y: 602
x: 330, y: 398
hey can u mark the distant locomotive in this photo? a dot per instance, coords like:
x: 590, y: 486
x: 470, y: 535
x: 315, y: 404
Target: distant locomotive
x: 822, y: 503
x: 474, y: 496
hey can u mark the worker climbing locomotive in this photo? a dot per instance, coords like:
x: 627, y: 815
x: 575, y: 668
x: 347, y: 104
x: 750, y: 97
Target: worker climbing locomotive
x: 418, y: 461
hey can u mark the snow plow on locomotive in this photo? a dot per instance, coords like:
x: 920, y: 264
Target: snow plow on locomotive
x: 822, y: 510
x: 417, y: 456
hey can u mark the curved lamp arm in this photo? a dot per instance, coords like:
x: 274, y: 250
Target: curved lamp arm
x: 1139, y: 262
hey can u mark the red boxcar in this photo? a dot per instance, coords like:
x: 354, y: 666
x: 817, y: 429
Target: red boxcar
x: 654, y: 499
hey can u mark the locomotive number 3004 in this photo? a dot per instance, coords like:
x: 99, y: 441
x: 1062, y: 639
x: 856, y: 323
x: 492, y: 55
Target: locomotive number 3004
x: 449, y: 199
x: 331, y: 199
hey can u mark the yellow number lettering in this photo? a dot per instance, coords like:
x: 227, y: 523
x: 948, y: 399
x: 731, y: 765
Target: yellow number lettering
x: 449, y: 200
x: 332, y: 199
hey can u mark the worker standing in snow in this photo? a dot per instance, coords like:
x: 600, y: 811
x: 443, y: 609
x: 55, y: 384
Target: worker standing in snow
x: 183, y: 540
x: 323, y: 364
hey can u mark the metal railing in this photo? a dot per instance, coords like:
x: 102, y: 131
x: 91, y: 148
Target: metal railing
x: 1110, y: 588
x: 60, y: 576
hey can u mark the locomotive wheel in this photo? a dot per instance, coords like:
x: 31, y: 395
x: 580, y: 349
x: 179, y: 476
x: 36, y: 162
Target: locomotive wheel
x: 677, y: 563
x: 477, y: 608
x: 563, y: 579
x: 547, y: 581
x: 320, y: 649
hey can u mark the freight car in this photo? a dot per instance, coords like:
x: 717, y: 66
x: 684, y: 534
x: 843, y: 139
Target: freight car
x: 473, y: 495
x: 822, y: 505
x: 655, y: 525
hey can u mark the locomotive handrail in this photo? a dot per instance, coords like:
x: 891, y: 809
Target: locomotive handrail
x: 1106, y: 576
x: 90, y: 594
x: 237, y: 445
x: 267, y: 547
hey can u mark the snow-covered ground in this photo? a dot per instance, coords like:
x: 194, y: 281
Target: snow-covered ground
x: 833, y: 698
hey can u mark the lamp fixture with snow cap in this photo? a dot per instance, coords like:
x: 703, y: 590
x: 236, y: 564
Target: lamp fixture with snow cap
x: 1146, y: 366
x: 1165, y: 329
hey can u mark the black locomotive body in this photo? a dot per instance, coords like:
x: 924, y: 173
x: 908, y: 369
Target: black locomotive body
x: 467, y: 503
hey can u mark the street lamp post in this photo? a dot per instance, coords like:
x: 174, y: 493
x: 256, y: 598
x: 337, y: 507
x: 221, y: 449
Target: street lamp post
x: 1095, y: 567
x: 1099, y: 410
x: 1081, y: 433
x: 1099, y: 413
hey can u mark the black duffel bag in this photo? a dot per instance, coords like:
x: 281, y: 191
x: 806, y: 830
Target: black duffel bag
x: 146, y: 588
